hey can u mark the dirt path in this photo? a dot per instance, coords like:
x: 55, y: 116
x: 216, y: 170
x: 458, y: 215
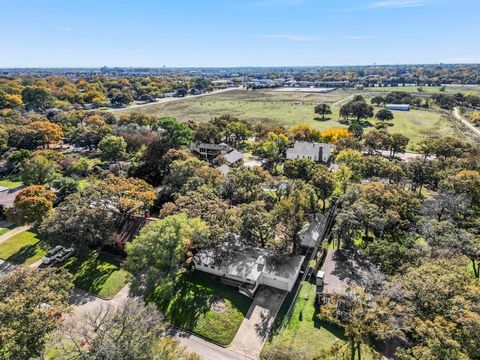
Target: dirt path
x: 456, y: 113
x: 341, y: 101
x: 165, y: 100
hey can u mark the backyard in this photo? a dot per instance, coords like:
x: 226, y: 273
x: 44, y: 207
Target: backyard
x: 98, y: 273
x: 23, y: 248
x: 306, y: 337
x: 292, y: 108
x: 198, y: 303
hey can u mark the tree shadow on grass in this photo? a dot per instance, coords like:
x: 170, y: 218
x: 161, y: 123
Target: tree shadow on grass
x: 191, y: 296
x: 91, y: 271
x: 27, y: 252
x: 319, y: 118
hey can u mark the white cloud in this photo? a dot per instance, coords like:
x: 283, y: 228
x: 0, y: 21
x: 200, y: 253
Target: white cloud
x: 396, y: 4
x: 297, y: 38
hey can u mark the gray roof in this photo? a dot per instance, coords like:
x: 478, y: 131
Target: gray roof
x: 233, y: 156
x: 224, y: 169
x: 311, y: 232
x: 307, y: 148
x: 249, y: 263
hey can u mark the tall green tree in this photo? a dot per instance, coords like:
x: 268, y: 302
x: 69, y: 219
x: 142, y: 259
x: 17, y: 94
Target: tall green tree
x: 31, y: 305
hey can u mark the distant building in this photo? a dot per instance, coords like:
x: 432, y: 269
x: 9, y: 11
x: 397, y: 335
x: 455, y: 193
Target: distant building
x: 208, y: 151
x: 399, y: 107
x: 310, y: 150
x: 247, y: 268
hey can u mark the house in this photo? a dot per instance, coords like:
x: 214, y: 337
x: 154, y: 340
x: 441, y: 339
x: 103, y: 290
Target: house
x: 247, y: 267
x: 208, y: 151
x: 310, y: 150
x: 129, y: 227
x: 311, y: 232
x: 399, y: 107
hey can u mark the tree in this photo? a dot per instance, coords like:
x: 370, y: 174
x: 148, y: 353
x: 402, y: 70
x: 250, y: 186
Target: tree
x: 475, y: 117
x: 362, y: 316
x: 162, y: 247
x: 36, y: 98
x: 243, y: 184
x: 131, y: 331
x: 376, y: 140
x: 112, y: 148
x: 323, y: 109
x: 378, y: 100
x: 47, y: 132
x: 174, y: 132
x: 256, y: 225
x: 31, y: 305
x: 120, y: 97
x: 398, y: 144
x: 32, y: 204
x: 300, y: 169
x: 356, y: 129
x: 384, y: 115
x: 305, y: 132
x: 421, y: 172
x: 324, y: 184
x: 274, y: 148
x: 442, y: 314
x: 333, y: 135
x: 38, y: 170
x: 358, y: 109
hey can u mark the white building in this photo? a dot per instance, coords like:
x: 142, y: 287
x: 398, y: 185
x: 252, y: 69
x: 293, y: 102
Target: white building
x: 399, y: 107
x: 247, y: 268
x: 310, y: 150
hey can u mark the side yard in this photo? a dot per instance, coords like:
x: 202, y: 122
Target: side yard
x: 306, y: 337
x: 200, y: 304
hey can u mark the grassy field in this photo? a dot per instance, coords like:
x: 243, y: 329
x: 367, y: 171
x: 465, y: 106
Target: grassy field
x: 306, y: 337
x: 23, y: 248
x: 199, y: 303
x: 426, y: 89
x: 98, y: 273
x: 289, y: 109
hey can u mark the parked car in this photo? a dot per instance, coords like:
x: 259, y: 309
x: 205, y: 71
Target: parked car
x: 51, y: 255
x: 65, y: 254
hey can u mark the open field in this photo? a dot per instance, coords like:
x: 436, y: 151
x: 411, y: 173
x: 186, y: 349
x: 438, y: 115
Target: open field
x: 306, y: 337
x: 98, y: 273
x: 291, y: 108
x: 201, y: 304
x: 23, y: 248
x: 449, y: 89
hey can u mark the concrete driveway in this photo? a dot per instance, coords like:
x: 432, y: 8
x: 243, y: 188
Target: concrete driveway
x: 254, y: 330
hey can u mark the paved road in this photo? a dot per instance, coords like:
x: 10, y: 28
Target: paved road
x: 206, y: 350
x: 456, y: 113
x: 164, y: 100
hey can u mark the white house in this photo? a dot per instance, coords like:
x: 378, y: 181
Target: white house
x: 399, y: 107
x: 310, y: 150
x: 247, y: 268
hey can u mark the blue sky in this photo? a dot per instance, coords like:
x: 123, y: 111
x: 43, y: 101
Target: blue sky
x: 85, y: 33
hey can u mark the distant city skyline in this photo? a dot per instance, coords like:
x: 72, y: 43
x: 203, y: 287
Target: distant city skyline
x: 237, y: 33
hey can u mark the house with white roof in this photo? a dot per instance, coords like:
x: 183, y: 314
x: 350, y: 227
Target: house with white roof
x: 247, y: 267
x: 318, y: 152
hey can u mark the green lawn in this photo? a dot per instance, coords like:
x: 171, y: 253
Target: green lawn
x: 292, y: 108
x: 198, y: 303
x: 4, y: 230
x: 11, y: 184
x: 306, y: 337
x: 23, y: 248
x: 98, y: 273
x: 426, y: 89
